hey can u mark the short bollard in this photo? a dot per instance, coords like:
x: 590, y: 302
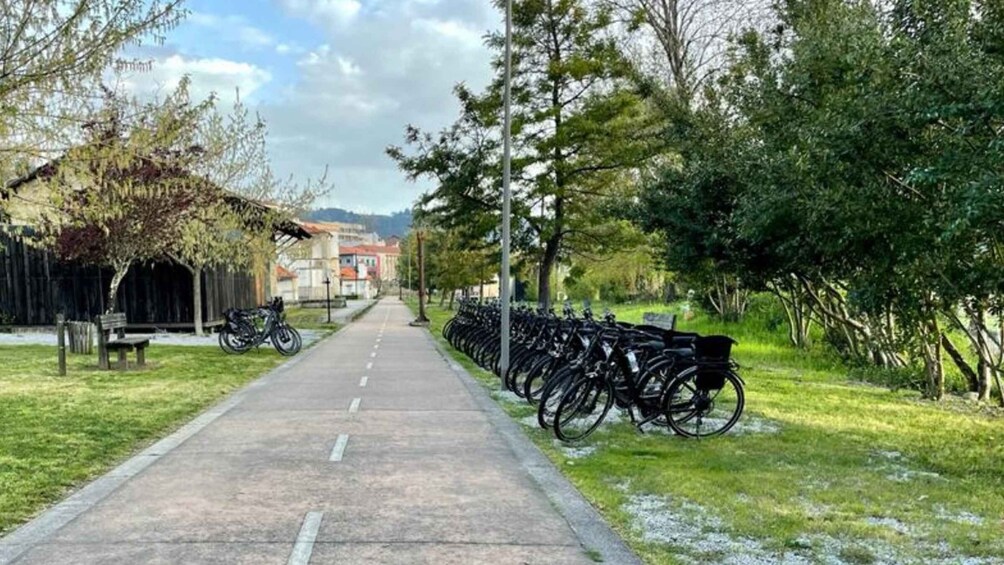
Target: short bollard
x: 61, y: 343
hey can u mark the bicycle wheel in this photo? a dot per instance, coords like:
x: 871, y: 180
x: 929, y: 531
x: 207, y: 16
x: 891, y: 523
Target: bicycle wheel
x: 222, y: 338
x: 554, y: 389
x: 520, y: 364
x: 286, y: 340
x: 233, y: 343
x: 532, y: 385
x: 582, y: 408
x: 695, y: 410
x: 650, y: 390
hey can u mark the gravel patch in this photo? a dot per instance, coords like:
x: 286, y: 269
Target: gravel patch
x: 894, y: 465
x: 164, y: 338
x: 530, y: 421
x: 691, y: 528
x: 574, y: 452
x: 507, y: 396
x: 959, y: 517
x: 746, y: 425
x: 815, y: 509
x: 890, y: 523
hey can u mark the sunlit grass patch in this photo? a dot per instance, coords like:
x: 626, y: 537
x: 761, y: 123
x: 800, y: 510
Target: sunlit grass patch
x: 838, y: 471
x: 57, y: 432
x: 310, y: 319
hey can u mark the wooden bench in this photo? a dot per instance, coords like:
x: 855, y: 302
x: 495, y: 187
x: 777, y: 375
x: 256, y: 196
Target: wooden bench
x: 664, y: 321
x: 116, y: 323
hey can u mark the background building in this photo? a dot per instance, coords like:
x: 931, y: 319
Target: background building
x: 355, y: 281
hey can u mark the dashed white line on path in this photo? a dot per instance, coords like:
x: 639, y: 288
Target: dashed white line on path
x: 373, y: 354
x: 369, y: 365
x: 376, y: 346
x: 363, y: 381
x: 354, y: 407
x: 339, y: 450
x: 304, y: 546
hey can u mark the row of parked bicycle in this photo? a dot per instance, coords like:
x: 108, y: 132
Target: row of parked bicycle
x: 575, y: 369
x: 247, y: 329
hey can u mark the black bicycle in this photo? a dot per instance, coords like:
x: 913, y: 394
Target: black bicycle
x: 245, y: 330
x: 576, y: 369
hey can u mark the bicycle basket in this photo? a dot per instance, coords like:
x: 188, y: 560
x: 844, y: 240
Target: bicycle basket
x: 713, y: 379
x: 713, y: 349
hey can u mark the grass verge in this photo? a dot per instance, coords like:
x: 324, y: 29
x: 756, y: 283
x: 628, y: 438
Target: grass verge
x: 822, y: 470
x: 58, y: 432
x: 310, y: 319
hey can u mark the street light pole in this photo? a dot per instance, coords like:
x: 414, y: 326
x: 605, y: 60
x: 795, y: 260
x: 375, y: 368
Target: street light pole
x: 506, y: 193
x: 327, y: 290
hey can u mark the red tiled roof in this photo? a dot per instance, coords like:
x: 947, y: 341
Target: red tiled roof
x: 284, y: 274
x: 351, y: 250
x: 350, y: 273
x: 313, y: 228
x: 367, y: 249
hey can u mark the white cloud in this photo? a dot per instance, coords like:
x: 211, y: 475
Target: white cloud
x: 284, y: 48
x: 337, y: 12
x: 209, y: 75
x: 396, y: 64
x: 254, y: 37
x: 234, y: 28
x: 466, y: 34
x: 347, y: 67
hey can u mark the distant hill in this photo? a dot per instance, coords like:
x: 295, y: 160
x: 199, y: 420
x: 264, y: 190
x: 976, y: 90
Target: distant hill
x: 397, y: 223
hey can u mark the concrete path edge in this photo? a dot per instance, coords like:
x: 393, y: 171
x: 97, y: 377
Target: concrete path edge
x: 364, y: 310
x: 592, y: 530
x: 20, y: 540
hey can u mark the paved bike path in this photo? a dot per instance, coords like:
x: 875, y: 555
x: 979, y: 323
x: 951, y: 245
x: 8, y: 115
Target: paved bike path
x: 371, y: 449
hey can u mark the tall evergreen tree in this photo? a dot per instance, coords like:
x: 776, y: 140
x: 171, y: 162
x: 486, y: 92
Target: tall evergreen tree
x: 575, y: 123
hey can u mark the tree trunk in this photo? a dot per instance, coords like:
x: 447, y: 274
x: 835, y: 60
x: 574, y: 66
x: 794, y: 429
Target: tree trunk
x: 1000, y: 386
x: 421, y: 277
x: 972, y: 379
x: 197, y: 299
x: 795, y: 311
x: 546, y: 266
x: 728, y: 299
x: 933, y: 368
x: 980, y: 339
x: 121, y: 270
x: 984, y: 373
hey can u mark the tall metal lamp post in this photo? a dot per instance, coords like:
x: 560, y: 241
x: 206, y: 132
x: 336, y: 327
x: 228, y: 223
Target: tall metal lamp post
x: 506, y: 192
x: 327, y: 290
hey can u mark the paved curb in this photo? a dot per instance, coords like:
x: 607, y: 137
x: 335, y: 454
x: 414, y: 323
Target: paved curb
x: 17, y: 542
x: 592, y: 530
x: 362, y: 312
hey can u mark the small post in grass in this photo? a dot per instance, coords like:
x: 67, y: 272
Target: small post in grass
x: 61, y: 343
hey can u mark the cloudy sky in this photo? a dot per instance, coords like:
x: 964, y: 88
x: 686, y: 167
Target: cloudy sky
x: 337, y: 80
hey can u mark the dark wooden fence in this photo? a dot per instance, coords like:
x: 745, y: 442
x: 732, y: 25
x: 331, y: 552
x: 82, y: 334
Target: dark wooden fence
x: 35, y: 286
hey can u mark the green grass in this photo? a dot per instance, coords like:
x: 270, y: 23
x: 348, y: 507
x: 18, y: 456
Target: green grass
x: 854, y: 472
x: 58, y: 432
x: 310, y: 319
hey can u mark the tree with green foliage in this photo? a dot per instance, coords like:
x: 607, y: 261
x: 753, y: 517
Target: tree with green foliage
x: 574, y: 122
x: 625, y: 267
x: 125, y: 194
x: 857, y: 180
x: 52, y: 56
x: 235, y: 228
